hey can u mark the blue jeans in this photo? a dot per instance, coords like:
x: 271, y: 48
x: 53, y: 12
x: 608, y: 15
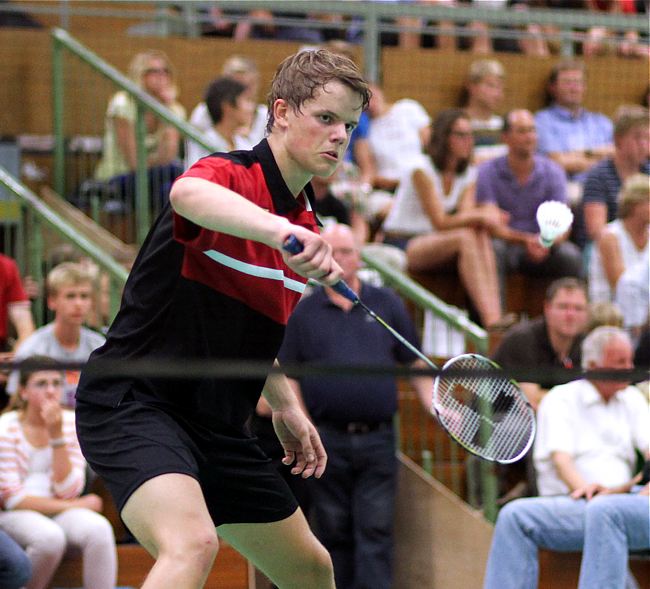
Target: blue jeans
x: 605, y: 527
x: 353, y: 507
x: 15, y: 566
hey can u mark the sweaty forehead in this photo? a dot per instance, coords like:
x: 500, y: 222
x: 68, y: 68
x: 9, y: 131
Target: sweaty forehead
x: 337, y: 97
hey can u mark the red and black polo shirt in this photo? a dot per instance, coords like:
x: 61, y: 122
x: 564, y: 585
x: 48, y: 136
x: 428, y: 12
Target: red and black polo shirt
x: 199, y: 294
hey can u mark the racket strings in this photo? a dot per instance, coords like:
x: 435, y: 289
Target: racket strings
x: 486, y: 415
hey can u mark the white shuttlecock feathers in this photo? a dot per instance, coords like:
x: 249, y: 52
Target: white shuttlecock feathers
x: 554, y: 219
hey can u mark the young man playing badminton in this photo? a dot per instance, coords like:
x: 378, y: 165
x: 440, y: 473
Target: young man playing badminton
x: 213, y: 282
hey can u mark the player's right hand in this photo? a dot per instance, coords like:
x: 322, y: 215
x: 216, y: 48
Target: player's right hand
x: 315, y: 260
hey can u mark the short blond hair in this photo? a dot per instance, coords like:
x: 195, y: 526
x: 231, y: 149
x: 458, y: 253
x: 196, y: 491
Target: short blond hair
x: 68, y: 274
x: 636, y: 190
x: 485, y: 67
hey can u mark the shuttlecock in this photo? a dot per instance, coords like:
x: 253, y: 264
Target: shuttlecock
x: 554, y: 219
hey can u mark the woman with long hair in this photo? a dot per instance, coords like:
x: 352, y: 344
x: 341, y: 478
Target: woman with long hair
x: 435, y: 217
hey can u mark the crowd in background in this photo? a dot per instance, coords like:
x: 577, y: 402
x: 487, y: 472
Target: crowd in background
x: 453, y: 192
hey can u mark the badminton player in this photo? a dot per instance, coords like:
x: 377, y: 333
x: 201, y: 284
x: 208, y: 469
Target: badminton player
x: 212, y: 282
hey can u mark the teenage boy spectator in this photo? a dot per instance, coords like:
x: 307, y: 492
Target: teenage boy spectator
x: 231, y: 109
x: 588, y: 432
x: 70, y: 296
x: 518, y: 183
x: 568, y: 133
x: 604, y: 181
x: 353, y: 503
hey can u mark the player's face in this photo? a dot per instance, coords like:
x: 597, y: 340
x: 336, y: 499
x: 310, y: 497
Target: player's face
x: 316, y: 137
x: 72, y: 304
x: 44, y: 385
x: 617, y: 355
x: 566, y: 314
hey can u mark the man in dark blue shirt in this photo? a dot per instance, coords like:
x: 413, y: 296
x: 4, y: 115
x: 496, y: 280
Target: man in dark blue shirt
x: 352, y: 503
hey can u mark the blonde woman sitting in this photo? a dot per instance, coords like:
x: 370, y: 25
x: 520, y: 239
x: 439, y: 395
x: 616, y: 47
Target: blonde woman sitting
x: 623, y: 242
x: 435, y: 218
x: 42, y: 475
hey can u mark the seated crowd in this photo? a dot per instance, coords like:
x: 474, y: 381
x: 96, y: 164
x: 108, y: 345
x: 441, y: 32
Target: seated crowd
x: 456, y: 192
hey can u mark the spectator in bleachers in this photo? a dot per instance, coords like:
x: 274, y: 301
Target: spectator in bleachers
x: 436, y: 220
x: 42, y: 476
x: 604, y: 181
x: 633, y: 296
x: 154, y: 73
x: 231, y: 108
x: 623, y: 243
x: 245, y: 71
x: 602, y: 41
x: 14, y: 305
x: 518, y: 183
x: 353, y: 503
x: 397, y: 134
x: 588, y: 432
x: 482, y: 98
x: 548, y: 343
x: 15, y: 566
x: 15, y: 313
x: 571, y: 135
x: 70, y: 296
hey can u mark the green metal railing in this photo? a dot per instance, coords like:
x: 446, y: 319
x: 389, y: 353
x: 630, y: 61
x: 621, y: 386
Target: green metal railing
x: 34, y: 219
x: 170, y: 17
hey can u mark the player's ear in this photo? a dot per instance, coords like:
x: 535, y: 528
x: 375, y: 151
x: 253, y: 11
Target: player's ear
x: 280, y: 112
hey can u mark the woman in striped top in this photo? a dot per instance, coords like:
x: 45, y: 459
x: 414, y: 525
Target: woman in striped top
x: 42, y: 476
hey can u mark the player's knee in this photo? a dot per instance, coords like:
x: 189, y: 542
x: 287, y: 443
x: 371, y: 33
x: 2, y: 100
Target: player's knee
x: 320, y: 568
x: 198, y: 548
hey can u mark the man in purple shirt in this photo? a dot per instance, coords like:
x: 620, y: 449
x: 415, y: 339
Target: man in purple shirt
x: 518, y: 183
x: 569, y: 134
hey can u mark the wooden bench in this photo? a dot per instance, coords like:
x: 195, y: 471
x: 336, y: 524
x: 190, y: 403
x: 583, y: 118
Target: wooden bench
x: 560, y: 570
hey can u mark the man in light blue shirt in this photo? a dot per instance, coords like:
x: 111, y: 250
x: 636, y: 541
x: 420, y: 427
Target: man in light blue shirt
x: 568, y: 133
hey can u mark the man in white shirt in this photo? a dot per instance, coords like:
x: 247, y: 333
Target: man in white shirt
x: 588, y: 432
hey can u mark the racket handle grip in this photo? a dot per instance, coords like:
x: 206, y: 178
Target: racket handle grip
x: 293, y: 246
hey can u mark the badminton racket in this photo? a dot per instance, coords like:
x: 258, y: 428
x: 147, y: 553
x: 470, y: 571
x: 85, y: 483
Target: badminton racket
x: 475, y: 402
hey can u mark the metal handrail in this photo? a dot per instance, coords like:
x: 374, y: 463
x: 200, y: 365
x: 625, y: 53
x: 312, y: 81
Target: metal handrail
x: 43, y: 213
x: 424, y: 299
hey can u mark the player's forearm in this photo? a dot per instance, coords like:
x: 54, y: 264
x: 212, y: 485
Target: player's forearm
x: 220, y: 209
x: 279, y: 393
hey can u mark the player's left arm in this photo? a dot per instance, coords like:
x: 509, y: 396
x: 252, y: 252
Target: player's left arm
x: 295, y: 431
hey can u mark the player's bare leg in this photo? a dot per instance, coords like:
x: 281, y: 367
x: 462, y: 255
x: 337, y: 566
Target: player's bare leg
x: 286, y: 551
x: 168, y: 516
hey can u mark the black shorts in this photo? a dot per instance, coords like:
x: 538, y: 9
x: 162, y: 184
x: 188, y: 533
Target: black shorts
x: 139, y: 439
